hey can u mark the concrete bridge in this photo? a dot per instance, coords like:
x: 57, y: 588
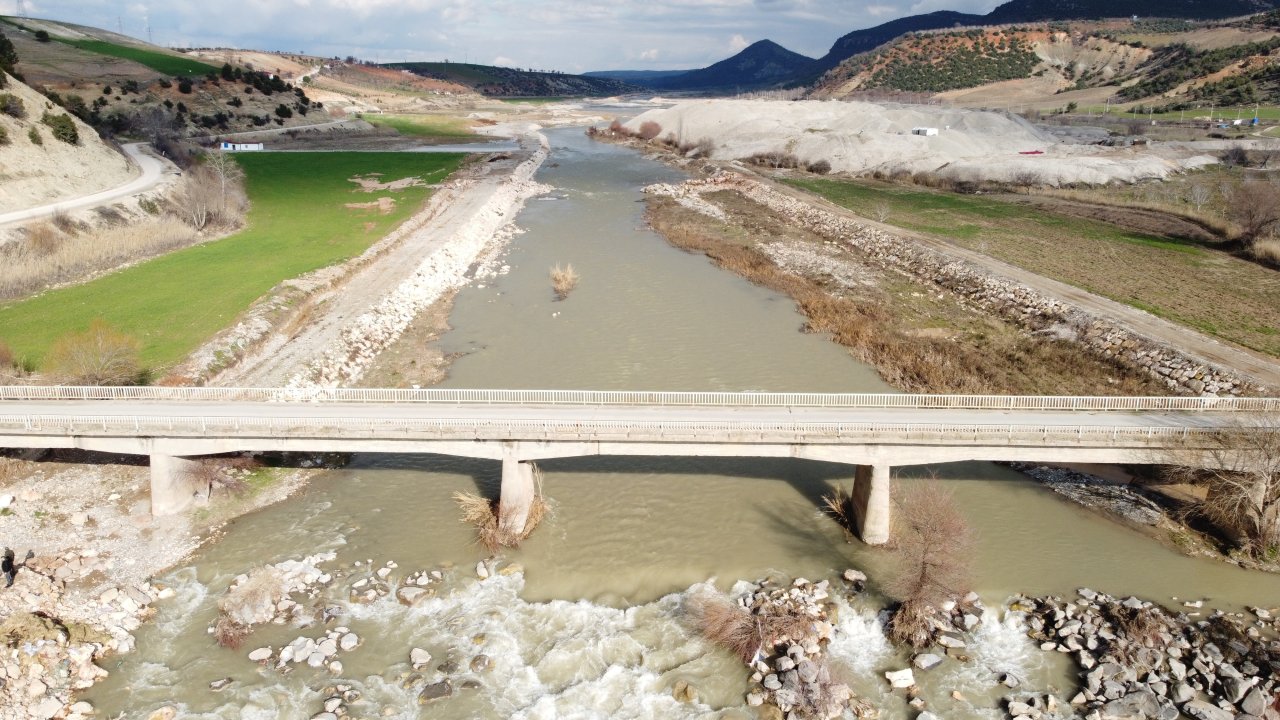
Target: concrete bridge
x: 874, y: 432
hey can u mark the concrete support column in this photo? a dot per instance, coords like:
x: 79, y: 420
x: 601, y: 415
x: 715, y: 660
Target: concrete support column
x: 871, y: 500
x: 174, y: 488
x: 518, y: 492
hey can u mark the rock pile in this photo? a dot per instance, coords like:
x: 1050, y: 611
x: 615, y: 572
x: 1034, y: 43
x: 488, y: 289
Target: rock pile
x: 50, y: 640
x: 1139, y: 661
x: 975, y: 286
x: 791, y: 674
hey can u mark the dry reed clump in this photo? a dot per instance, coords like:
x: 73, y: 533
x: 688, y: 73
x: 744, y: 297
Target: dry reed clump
x: 6, y: 356
x: 248, y: 603
x: 98, y: 356
x: 838, y: 505
x: 735, y: 628
x: 1266, y: 250
x: 1140, y: 627
x: 563, y: 280
x: 485, y: 516
x: 44, y: 257
x: 649, y: 130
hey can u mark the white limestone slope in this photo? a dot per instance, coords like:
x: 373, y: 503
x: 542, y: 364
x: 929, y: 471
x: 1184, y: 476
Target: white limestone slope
x: 860, y: 137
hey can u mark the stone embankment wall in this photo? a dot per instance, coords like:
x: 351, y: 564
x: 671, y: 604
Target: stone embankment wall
x: 1005, y: 298
x: 371, y: 333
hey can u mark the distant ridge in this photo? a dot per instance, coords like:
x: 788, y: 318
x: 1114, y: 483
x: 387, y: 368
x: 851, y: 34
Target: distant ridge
x: 509, y: 82
x: 749, y: 63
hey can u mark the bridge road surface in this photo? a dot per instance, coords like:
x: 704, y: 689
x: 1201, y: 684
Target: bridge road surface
x: 335, y: 413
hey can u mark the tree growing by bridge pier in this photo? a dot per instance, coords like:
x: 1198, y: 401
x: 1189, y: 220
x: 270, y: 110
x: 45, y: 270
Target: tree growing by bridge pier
x: 931, y: 550
x: 1240, y: 469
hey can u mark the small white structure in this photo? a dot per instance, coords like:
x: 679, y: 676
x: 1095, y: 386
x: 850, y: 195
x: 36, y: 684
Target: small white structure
x: 926, y: 131
x: 239, y: 147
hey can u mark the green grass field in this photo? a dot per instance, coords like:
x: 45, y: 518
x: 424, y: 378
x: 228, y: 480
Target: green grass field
x: 298, y: 223
x: 160, y: 62
x: 423, y: 126
x: 1180, y: 280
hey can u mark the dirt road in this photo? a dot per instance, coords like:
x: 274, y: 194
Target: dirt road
x: 153, y: 171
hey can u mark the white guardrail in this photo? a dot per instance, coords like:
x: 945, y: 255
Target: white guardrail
x: 637, y: 398
x: 484, y: 429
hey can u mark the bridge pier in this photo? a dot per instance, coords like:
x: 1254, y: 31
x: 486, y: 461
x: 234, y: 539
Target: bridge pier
x: 872, y: 503
x: 174, y: 488
x: 518, y: 493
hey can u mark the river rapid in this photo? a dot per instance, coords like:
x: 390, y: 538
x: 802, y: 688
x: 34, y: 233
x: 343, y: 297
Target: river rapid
x: 585, y: 621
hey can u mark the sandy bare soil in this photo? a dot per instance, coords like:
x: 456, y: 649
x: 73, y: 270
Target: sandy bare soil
x: 860, y: 137
x: 54, y: 170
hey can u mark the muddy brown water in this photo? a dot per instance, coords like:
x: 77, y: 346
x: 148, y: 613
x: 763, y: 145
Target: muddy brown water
x: 590, y: 628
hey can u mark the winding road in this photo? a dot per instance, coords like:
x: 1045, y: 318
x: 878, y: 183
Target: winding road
x: 154, y: 169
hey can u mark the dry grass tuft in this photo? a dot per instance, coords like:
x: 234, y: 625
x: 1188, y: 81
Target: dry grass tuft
x: 484, y: 514
x: 563, y: 280
x: 838, y: 505
x: 6, y: 356
x: 1141, y: 627
x: 1266, y: 250
x: 229, y: 633
x: 725, y: 623
x: 43, y: 257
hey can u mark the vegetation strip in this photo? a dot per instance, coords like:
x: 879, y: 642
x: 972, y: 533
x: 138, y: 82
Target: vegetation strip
x: 298, y: 223
x: 160, y: 62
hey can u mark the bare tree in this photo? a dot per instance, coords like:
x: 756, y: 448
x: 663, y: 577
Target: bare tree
x: 1255, y: 206
x: 931, y: 560
x: 228, y: 174
x: 1240, y: 468
x: 1198, y: 195
x: 882, y: 211
x: 649, y: 130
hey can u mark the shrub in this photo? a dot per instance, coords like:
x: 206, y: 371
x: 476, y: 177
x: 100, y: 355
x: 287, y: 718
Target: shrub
x: 1235, y: 156
x: 8, y: 58
x: 62, y: 127
x: 563, y: 280
x: 42, y: 36
x: 42, y: 239
x: 775, y: 159
x: 649, y: 130
x: 12, y: 106
x: 34, y: 135
x: 184, y: 87
x: 4, y: 136
x: 1267, y: 251
x: 284, y: 111
x: 6, y: 355
x: 821, y: 167
x: 97, y: 356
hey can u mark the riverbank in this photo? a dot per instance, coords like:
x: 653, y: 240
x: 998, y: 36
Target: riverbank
x: 88, y: 585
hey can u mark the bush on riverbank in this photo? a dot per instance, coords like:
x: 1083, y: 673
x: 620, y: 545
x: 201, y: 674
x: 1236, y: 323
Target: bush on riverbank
x: 931, y: 560
x: 563, y: 280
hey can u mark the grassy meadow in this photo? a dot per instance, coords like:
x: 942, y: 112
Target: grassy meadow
x: 424, y: 126
x: 298, y: 223
x: 1180, y: 280
x: 160, y: 62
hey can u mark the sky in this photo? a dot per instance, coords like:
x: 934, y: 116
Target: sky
x: 568, y: 35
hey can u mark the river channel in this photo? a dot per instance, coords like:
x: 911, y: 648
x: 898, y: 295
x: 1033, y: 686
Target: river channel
x: 590, y: 627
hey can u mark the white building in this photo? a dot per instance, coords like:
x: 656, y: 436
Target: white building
x: 926, y: 131
x: 239, y: 147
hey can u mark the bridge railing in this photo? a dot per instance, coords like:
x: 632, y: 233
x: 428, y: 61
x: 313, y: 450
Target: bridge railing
x: 639, y: 398
x: 568, y: 430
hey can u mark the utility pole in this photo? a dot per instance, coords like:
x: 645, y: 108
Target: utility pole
x: 22, y: 8
x: 119, y: 25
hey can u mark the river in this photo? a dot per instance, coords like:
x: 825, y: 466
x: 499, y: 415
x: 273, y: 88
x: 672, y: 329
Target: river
x: 591, y: 628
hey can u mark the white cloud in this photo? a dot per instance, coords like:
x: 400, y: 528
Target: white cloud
x: 881, y: 10
x: 649, y: 55
x: 738, y: 43
x: 503, y: 61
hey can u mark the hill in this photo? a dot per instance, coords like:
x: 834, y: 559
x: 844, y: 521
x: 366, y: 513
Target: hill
x: 1017, y: 11
x: 636, y: 77
x: 496, y: 81
x: 762, y: 64
x: 47, y: 155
